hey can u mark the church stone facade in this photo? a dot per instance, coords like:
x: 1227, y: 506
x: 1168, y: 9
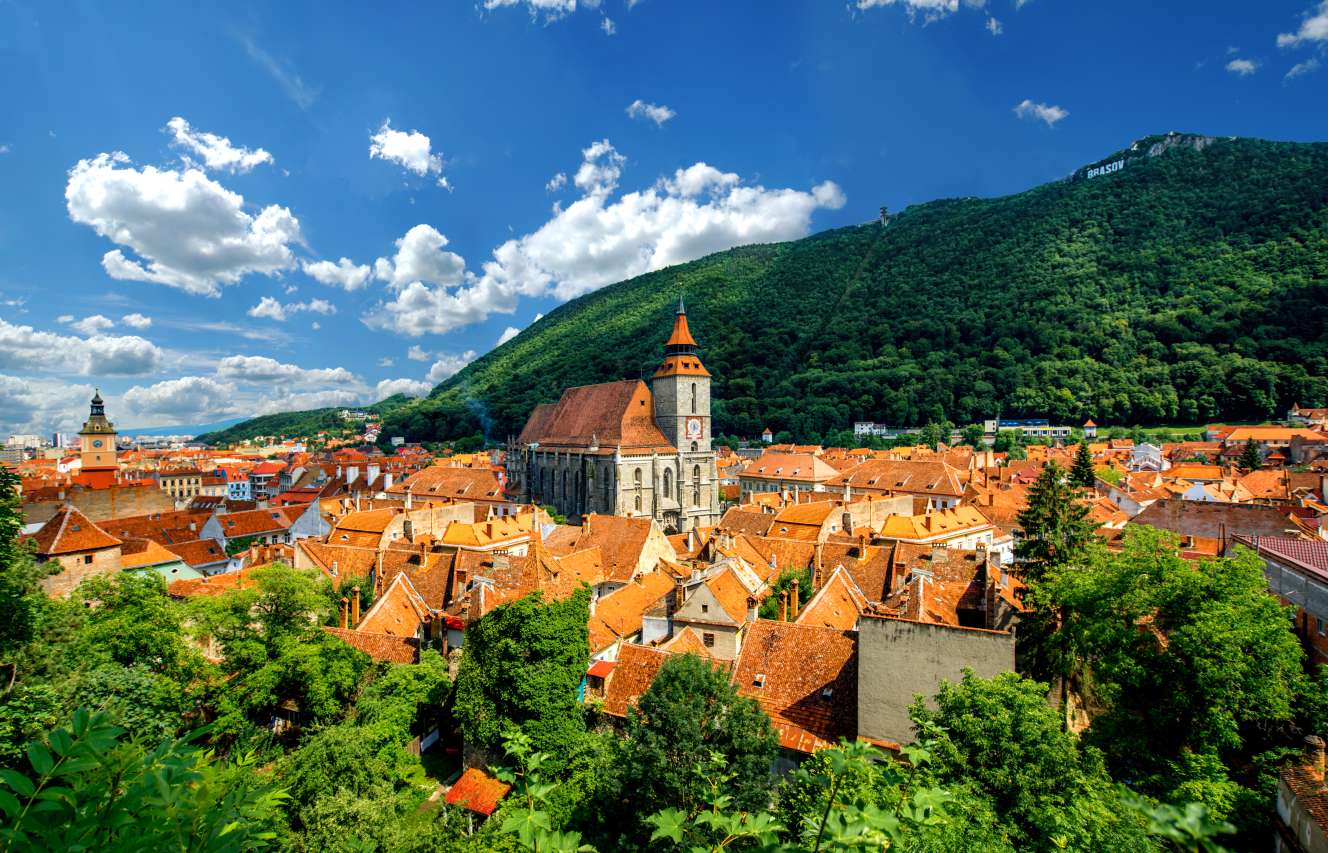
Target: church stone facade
x: 626, y: 448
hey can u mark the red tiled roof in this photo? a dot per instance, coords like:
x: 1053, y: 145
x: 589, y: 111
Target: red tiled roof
x: 384, y: 647
x: 1311, y: 555
x: 69, y: 532
x: 198, y: 552
x: 477, y: 791
x: 636, y: 670
x: 805, y: 678
x: 612, y: 414
x: 601, y: 668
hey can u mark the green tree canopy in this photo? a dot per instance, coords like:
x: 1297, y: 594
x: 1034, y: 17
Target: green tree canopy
x: 692, y: 714
x: 523, y: 664
x: 1001, y: 736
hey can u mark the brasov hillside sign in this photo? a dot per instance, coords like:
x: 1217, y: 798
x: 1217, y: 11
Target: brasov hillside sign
x: 1106, y: 168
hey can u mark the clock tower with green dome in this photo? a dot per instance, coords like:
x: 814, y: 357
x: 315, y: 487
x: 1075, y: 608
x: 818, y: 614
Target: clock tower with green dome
x: 97, y: 439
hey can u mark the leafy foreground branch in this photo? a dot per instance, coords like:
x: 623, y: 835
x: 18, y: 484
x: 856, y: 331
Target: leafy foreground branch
x: 92, y: 789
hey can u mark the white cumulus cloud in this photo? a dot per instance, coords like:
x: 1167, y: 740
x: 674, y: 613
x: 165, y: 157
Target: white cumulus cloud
x: 1313, y: 28
x: 187, y: 230
x: 556, y: 183
x: 658, y: 113
x: 217, y: 151
x: 187, y: 398
x: 261, y: 369
x: 418, y: 353
x: 608, y: 26
x: 421, y: 256
x: 344, y: 273
x: 270, y: 309
x: 91, y: 325
x: 409, y: 149
x: 1243, y: 67
x: 28, y: 350
x: 410, y: 387
x: 599, y: 239
x: 136, y: 320
x: 994, y: 26
x: 507, y: 335
x: 29, y: 405
x: 449, y: 364
x: 1047, y: 113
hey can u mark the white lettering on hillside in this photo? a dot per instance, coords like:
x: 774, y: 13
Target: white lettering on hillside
x: 1106, y: 169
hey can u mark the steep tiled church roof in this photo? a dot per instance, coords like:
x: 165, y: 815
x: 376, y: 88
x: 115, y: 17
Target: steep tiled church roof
x: 611, y: 414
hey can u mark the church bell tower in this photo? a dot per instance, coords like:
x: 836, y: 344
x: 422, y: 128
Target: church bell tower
x: 681, y: 387
x: 97, y: 447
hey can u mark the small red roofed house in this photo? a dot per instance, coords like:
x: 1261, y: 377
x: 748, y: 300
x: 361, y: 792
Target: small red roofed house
x: 81, y: 548
x: 477, y: 791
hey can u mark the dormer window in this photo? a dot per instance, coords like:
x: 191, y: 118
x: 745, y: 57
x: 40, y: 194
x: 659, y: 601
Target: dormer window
x: 759, y: 680
x: 827, y: 693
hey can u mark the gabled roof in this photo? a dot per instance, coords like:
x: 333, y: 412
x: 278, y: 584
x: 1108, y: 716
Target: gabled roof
x: 620, y: 541
x: 795, y: 467
x: 739, y: 520
x: 70, y: 532
x: 619, y: 614
x: 254, y: 522
x: 144, y: 553
x: 199, y: 552
x: 636, y: 670
x: 837, y: 604
x: 384, y: 647
x: 608, y: 415
x: 805, y: 678
x: 459, y: 484
x: 210, y: 586
x: 399, y: 611
x: 917, y: 477
x: 477, y: 791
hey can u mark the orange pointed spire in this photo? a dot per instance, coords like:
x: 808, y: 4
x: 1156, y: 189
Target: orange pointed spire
x: 682, y: 336
x: 680, y: 349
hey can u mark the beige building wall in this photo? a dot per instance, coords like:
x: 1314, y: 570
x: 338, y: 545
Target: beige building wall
x: 75, y: 567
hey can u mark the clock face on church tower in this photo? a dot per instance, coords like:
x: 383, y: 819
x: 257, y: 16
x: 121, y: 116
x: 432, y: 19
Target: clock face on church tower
x: 693, y: 427
x: 96, y: 442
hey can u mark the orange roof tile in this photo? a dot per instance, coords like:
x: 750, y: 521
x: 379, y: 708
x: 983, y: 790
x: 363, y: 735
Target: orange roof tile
x: 619, y: 614
x: 837, y: 604
x: 384, y: 647
x: 636, y: 670
x: 609, y: 415
x: 477, y: 791
x: 805, y: 678
x: 70, y: 532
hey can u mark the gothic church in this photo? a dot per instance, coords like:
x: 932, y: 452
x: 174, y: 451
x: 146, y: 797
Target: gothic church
x: 626, y: 448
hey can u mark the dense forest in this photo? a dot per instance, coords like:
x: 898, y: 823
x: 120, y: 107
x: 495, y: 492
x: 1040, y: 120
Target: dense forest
x: 1188, y: 286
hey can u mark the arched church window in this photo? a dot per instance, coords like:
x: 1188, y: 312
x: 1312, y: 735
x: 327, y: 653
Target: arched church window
x: 693, y: 398
x: 638, y: 503
x: 694, y: 446
x: 636, y: 477
x: 668, y: 482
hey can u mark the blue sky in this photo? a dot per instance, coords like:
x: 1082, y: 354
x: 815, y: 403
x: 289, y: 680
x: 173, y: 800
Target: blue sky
x: 179, y: 186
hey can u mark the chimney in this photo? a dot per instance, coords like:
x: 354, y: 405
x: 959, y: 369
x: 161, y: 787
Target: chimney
x: 937, y: 553
x: 752, y: 609
x: 344, y: 605
x: 408, y: 530
x: 354, y: 606
x: 783, y: 606
x: 846, y: 522
x: 817, y: 574
x: 1314, y: 756
x: 793, y: 600
x: 408, y: 500
x: 862, y: 546
x: 691, y: 539
x: 352, y: 473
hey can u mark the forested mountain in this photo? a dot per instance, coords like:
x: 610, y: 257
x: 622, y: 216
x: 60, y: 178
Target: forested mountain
x: 1189, y: 285
x: 301, y: 424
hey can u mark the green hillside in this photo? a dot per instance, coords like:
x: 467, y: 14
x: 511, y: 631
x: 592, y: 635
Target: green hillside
x: 299, y: 424
x: 1188, y: 286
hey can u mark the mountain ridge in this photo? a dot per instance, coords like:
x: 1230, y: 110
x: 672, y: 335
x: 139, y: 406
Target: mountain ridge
x: 1188, y: 284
